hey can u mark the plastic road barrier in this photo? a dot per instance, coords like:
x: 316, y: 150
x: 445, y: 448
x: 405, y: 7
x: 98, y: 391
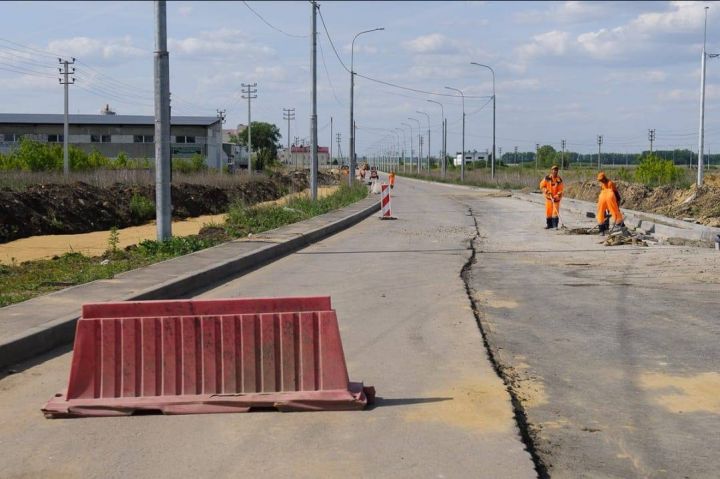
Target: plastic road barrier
x: 208, y: 356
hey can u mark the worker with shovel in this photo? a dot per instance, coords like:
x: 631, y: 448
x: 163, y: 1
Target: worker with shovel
x: 552, y: 187
x: 608, y: 200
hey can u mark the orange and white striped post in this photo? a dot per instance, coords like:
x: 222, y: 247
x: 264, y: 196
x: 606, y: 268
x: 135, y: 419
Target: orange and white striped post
x: 385, y: 213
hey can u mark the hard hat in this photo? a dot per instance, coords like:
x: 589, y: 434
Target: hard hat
x: 601, y: 176
x: 555, y: 167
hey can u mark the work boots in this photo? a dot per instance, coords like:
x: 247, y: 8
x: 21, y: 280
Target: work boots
x: 556, y: 223
x: 549, y: 223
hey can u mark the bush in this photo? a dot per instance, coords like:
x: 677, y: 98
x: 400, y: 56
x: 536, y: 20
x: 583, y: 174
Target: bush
x: 654, y: 171
x: 141, y: 208
x: 193, y: 165
x: 175, y: 246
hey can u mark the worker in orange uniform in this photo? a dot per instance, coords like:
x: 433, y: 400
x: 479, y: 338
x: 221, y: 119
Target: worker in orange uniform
x: 391, y: 178
x: 552, y: 187
x: 609, y: 200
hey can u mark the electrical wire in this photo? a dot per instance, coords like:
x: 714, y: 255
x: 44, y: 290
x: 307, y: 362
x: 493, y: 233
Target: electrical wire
x: 273, y: 26
x: 327, y: 73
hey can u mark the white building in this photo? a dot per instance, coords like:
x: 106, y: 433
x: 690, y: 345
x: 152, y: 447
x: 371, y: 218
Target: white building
x: 471, y: 157
x: 300, y: 156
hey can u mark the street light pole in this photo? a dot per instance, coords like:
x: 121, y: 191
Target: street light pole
x: 411, y: 143
x: 351, y: 176
x: 492, y: 168
x: 417, y: 165
x: 428, y: 144
x: 442, y: 137
x: 462, y: 163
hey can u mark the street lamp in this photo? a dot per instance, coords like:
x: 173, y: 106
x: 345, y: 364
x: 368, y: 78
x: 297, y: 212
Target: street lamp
x: 351, y: 176
x: 442, y: 136
x: 462, y: 163
x: 404, y: 144
x: 428, y: 145
x: 419, y: 145
x: 701, y: 139
x: 411, y: 144
x: 492, y: 168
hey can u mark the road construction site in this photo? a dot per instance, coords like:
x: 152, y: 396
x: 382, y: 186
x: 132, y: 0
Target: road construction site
x: 497, y: 349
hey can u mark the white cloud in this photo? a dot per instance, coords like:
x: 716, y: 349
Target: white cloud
x: 88, y: 48
x: 633, y: 76
x: 217, y: 43
x: 554, y: 43
x: 566, y: 13
x: 685, y: 17
x: 432, y: 43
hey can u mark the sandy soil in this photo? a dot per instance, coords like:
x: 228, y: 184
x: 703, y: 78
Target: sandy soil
x: 95, y: 243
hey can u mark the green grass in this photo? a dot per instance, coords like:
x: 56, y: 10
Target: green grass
x: 20, y: 282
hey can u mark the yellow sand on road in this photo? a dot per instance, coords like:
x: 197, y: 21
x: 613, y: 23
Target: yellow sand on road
x: 95, y: 243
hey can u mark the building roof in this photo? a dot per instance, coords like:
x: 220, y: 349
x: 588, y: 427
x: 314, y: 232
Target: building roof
x: 52, y: 119
x: 306, y: 149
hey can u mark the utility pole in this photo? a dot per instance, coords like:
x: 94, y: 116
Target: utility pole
x: 420, y: 154
x: 562, y: 157
x: 162, y: 124
x: 462, y: 163
x: 599, y: 142
x: 499, y: 152
x: 249, y: 92
x: 65, y: 81
x: 313, y: 116
x: 516, y: 155
x: 296, y: 142
x: 701, y: 140
x: 537, y: 154
x: 338, y: 143
x: 651, y: 137
x: 288, y: 114
x: 331, y: 142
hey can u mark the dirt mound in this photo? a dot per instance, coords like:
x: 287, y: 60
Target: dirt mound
x: 81, y: 208
x: 701, y: 204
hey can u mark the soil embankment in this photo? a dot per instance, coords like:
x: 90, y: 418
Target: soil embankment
x: 55, y: 209
x: 702, y: 205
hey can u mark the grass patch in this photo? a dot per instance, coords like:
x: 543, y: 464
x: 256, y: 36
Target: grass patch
x: 20, y: 282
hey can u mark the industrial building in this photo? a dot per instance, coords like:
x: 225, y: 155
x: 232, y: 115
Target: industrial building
x: 112, y: 134
x: 299, y: 156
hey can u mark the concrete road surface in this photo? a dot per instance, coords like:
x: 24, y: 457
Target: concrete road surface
x: 408, y: 329
x: 613, y: 351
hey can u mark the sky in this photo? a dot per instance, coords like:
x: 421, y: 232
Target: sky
x: 564, y: 70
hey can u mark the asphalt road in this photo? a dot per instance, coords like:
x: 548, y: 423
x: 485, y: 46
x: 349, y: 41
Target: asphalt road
x: 613, y: 351
x: 408, y: 329
x: 611, y: 354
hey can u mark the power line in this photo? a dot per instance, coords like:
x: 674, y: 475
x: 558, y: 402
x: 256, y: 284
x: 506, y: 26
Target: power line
x: 322, y: 55
x: 271, y: 25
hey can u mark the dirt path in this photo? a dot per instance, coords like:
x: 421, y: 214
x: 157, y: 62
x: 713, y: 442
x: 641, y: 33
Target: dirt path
x: 95, y: 243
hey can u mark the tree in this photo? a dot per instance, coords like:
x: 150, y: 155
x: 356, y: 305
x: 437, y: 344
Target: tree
x: 264, y: 136
x: 546, y: 155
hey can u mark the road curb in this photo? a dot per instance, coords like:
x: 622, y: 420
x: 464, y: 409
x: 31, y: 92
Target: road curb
x: 61, y: 331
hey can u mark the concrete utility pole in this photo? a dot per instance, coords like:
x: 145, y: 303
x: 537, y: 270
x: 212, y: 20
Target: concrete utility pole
x: 351, y: 176
x: 428, y: 137
x: 537, y: 155
x: 249, y: 91
x: 651, y: 137
x: 701, y: 139
x: 313, y: 116
x: 330, y: 157
x: 492, y: 168
x: 288, y: 114
x: 417, y: 165
x: 411, y: 144
x: 599, y: 142
x: 162, y: 125
x: 65, y: 81
x: 338, y: 148
x: 404, y: 145
x: 562, y: 157
x: 462, y: 163
x: 442, y: 136
x: 421, y: 151
x: 516, y: 155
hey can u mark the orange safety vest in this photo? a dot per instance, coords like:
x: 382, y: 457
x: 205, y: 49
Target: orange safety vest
x: 391, y: 176
x: 552, y: 187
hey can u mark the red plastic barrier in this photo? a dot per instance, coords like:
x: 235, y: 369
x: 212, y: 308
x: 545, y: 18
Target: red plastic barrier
x: 208, y: 356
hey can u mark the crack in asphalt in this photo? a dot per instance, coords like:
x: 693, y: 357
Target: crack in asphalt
x: 518, y: 410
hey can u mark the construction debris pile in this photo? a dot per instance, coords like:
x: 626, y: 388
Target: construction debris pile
x: 616, y: 237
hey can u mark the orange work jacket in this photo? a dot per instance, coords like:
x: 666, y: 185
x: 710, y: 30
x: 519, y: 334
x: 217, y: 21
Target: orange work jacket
x: 552, y: 187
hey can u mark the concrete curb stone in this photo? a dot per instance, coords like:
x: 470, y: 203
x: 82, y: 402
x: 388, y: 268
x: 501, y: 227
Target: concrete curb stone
x: 177, y: 278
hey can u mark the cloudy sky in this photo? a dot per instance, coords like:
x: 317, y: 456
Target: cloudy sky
x: 565, y: 70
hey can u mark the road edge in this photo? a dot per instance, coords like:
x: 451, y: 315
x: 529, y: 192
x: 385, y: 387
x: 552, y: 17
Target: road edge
x: 41, y: 339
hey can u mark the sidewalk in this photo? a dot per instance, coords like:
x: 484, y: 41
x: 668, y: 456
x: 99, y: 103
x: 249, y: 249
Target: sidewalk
x: 38, y: 325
